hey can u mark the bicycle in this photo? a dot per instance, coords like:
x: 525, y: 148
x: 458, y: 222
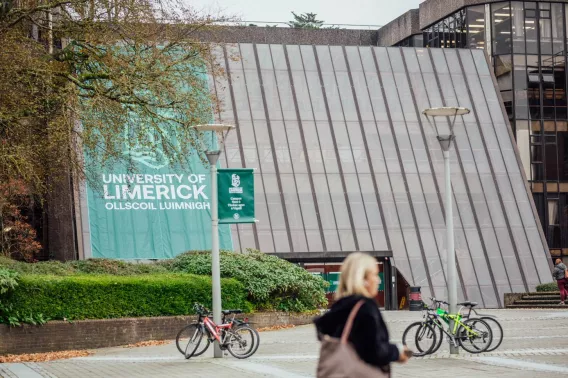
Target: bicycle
x: 235, y: 336
x: 491, y: 320
x: 472, y: 334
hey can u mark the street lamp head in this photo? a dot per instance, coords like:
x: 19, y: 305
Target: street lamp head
x: 213, y: 145
x: 445, y: 111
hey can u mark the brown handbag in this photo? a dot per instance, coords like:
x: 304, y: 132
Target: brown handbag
x: 338, y: 358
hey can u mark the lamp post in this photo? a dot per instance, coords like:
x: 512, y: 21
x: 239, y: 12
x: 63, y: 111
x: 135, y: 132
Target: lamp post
x: 446, y: 144
x: 218, y: 134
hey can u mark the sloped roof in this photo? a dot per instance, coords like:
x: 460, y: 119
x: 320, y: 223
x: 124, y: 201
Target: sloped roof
x: 347, y: 162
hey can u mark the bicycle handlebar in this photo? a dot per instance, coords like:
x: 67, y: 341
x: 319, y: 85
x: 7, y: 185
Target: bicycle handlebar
x: 438, y: 302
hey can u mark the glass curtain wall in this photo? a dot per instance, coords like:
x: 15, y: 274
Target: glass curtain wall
x: 451, y: 32
x: 527, y: 44
x: 412, y: 41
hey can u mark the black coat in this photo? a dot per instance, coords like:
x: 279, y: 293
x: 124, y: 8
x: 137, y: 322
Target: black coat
x: 369, y: 335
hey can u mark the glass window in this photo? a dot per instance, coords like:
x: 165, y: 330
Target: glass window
x: 476, y: 27
x: 551, y: 162
x: 504, y: 74
x: 518, y: 26
x: 562, y: 145
x: 530, y: 24
x: 523, y: 143
x: 521, y: 87
x: 545, y: 26
x: 557, y: 28
x: 417, y: 40
x: 461, y: 29
x: 501, y: 23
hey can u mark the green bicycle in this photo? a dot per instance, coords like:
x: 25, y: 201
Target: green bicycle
x: 472, y: 334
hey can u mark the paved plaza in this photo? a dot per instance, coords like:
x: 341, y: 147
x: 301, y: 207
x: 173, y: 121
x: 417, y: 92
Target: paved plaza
x: 535, y: 345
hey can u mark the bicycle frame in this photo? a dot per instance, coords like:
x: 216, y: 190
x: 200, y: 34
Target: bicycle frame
x: 215, y: 331
x: 434, y: 318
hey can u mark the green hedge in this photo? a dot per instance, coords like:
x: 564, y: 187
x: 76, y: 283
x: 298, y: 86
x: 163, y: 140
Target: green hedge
x: 103, y: 296
x: 91, y: 266
x: 272, y: 283
x: 551, y: 286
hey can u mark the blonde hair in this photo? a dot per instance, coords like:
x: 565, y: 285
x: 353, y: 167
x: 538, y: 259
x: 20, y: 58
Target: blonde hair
x: 354, y: 270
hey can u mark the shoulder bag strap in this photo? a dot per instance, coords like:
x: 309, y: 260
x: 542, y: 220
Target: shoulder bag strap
x: 350, y: 319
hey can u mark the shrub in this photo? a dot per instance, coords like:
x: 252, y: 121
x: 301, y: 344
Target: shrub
x: 551, y: 286
x: 103, y: 296
x: 8, y: 280
x: 91, y: 266
x: 272, y: 283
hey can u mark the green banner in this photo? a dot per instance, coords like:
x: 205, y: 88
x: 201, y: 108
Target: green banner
x: 236, y: 195
x: 156, y: 214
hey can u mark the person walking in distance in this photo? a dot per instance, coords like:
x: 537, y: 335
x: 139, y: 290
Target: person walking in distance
x: 355, y: 318
x: 561, y: 276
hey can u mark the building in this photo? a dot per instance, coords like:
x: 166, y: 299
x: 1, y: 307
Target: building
x: 526, y: 43
x: 345, y: 161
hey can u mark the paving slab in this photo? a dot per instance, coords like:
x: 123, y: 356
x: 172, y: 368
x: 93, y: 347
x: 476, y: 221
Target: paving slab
x: 534, y: 346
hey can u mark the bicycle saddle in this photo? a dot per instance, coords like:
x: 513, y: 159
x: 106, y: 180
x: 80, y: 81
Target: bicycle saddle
x: 227, y: 312
x: 468, y: 304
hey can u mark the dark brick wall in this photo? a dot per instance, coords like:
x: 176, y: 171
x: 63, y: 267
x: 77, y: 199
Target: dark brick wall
x: 90, y: 334
x: 288, y: 36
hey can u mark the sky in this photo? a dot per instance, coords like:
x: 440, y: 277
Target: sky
x: 360, y: 12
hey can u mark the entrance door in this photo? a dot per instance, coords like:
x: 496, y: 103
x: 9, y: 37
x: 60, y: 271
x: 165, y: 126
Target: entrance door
x: 331, y: 273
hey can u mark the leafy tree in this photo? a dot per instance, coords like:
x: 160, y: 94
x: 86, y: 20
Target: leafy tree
x: 99, y: 74
x: 305, y: 21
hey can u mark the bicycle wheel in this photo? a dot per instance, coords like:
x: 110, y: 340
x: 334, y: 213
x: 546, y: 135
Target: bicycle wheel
x: 420, y: 338
x: 497, y: 332
x: 188, y: 340
x: 474, y: 335
x: 256, y: 339
x: 241, y: 342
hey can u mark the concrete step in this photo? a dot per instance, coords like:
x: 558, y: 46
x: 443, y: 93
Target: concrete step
x: 535, y: 302
x: 541, y: 293
x: 538, y: 306
x: 541, y: 297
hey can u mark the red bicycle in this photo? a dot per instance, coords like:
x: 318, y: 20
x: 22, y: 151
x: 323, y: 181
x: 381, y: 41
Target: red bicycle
x: 235, y: 336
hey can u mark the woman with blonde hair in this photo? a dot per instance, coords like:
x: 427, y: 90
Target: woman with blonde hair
x: 368, y: 334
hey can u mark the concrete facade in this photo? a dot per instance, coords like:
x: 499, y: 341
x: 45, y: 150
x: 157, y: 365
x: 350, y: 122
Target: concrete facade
x: 257, y: 34
x: 429, y: 12
x: 399, y: 28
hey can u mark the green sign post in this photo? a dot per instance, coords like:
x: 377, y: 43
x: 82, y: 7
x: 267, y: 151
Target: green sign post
x: 236, y: 195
